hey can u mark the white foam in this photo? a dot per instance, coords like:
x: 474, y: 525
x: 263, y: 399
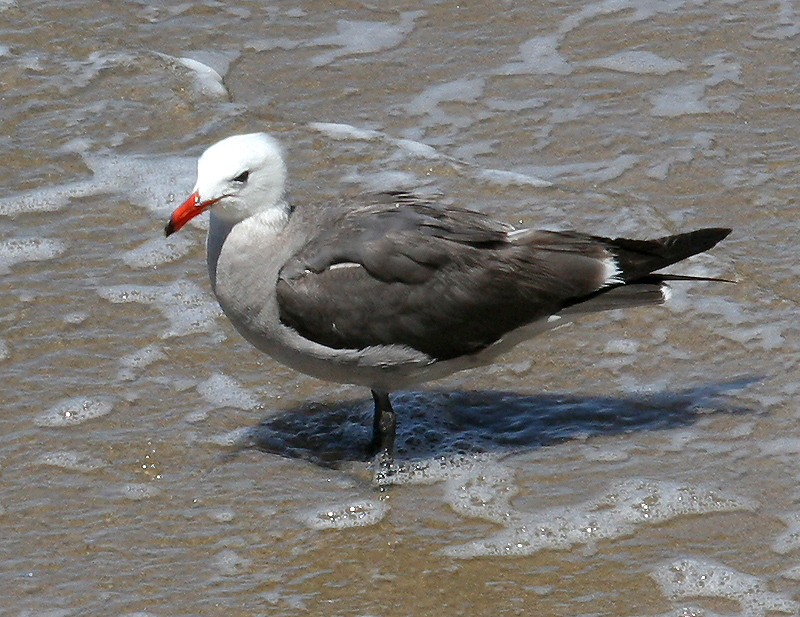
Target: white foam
x: 541, y: 54
x: 660, y: 170
x: 142, y: 357
x: 386, y: 180
x: 692, y: 578
x: 80, y: 73
x: 231, y: 438
x: 792, y: 573
x: 158, y: 251
x: 220, y: 62
x: 733, y: 313
x: 506, y: 105
x: 506, y: 178
x: 784, y: 24
x: 417, y: 148
x: 336, y: 130
x: 459, y: 90
x: 139, y: 359
x: 183, y: 303
x: 723, y: 69
x: 622, y: 346
x: 789, y: 540
x: 596, y: 171
x: 538, y: 56
x: 680, y: 100
x: 613, y: 514
x: 641, y: 62
x: 207, y: 80
x: 71, y: 411
x: 680, y: 439
x: 767, y: 336
x: 223, y: 391
x: 780, y: 446
x: 75, y: 318
x: 230, y: 563
x: 3, y: 349
x: 605, y: 454
x: 701, y: 142
x: 207, y: 68
x: 439, y: 469
x: 689, y: 610
x: 74, y: 461
x: 31, y: 61
x: 341, y: 131
x: 20, y: 250
x: 638, y: 11
x: 145, y: 181
x: 360, y: 513
x: 268, y: 44
x: 363, y: 37
x: 221, y: 515
x: 137, y: 491
x: 483, y: 492
x: 574, y: 111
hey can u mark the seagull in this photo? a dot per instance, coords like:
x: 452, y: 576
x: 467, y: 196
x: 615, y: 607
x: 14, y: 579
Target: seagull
x: 392, y: 290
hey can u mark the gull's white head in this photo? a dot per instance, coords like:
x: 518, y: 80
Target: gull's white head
x: 236, y: 177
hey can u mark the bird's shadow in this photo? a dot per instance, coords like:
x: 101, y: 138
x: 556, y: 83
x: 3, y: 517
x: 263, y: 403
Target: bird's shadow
x: 436, y: 422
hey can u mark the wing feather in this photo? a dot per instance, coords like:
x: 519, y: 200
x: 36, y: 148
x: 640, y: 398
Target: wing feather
x: 446, y: 282
x: 449, y: 282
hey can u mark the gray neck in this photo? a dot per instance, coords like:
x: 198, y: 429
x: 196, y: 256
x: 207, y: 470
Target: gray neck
x: 274, y: 219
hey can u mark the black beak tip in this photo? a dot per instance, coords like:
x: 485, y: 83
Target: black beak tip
x: 168, y: 229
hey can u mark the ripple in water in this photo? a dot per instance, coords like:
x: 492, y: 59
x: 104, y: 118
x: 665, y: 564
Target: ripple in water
x: 73, y: 411
x: 613, y: 514
x: 20, y: 250
x: 73, y: 461
x: 354, y: 514
x: 698, y: 578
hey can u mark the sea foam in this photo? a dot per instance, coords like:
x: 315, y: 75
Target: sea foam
x: 692, y: 578
x: 615, y: 513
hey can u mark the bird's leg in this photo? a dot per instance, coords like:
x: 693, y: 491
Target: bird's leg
x: 383, y: 427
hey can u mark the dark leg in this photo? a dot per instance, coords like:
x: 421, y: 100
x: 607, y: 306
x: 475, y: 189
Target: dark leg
x: 383, y: 427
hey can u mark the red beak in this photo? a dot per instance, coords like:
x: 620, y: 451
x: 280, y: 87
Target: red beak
x: 185, y: 212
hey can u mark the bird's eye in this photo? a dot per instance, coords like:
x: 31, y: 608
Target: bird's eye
x: 242, y: 177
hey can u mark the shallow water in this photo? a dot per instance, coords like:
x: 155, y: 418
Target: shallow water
x: 637, y: 463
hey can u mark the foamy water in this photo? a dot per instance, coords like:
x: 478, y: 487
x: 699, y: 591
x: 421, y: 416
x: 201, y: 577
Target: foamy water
x: 637, y: 463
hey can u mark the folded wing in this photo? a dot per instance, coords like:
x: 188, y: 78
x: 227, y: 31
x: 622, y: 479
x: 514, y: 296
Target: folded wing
x: 449, y: 282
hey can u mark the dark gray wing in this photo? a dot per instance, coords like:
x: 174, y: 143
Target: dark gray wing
x: 444, y: 281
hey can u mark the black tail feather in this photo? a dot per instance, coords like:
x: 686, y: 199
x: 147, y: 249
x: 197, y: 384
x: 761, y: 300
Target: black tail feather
x: 666, y: 278
x: 637, y: 261
x: 638, y: 258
